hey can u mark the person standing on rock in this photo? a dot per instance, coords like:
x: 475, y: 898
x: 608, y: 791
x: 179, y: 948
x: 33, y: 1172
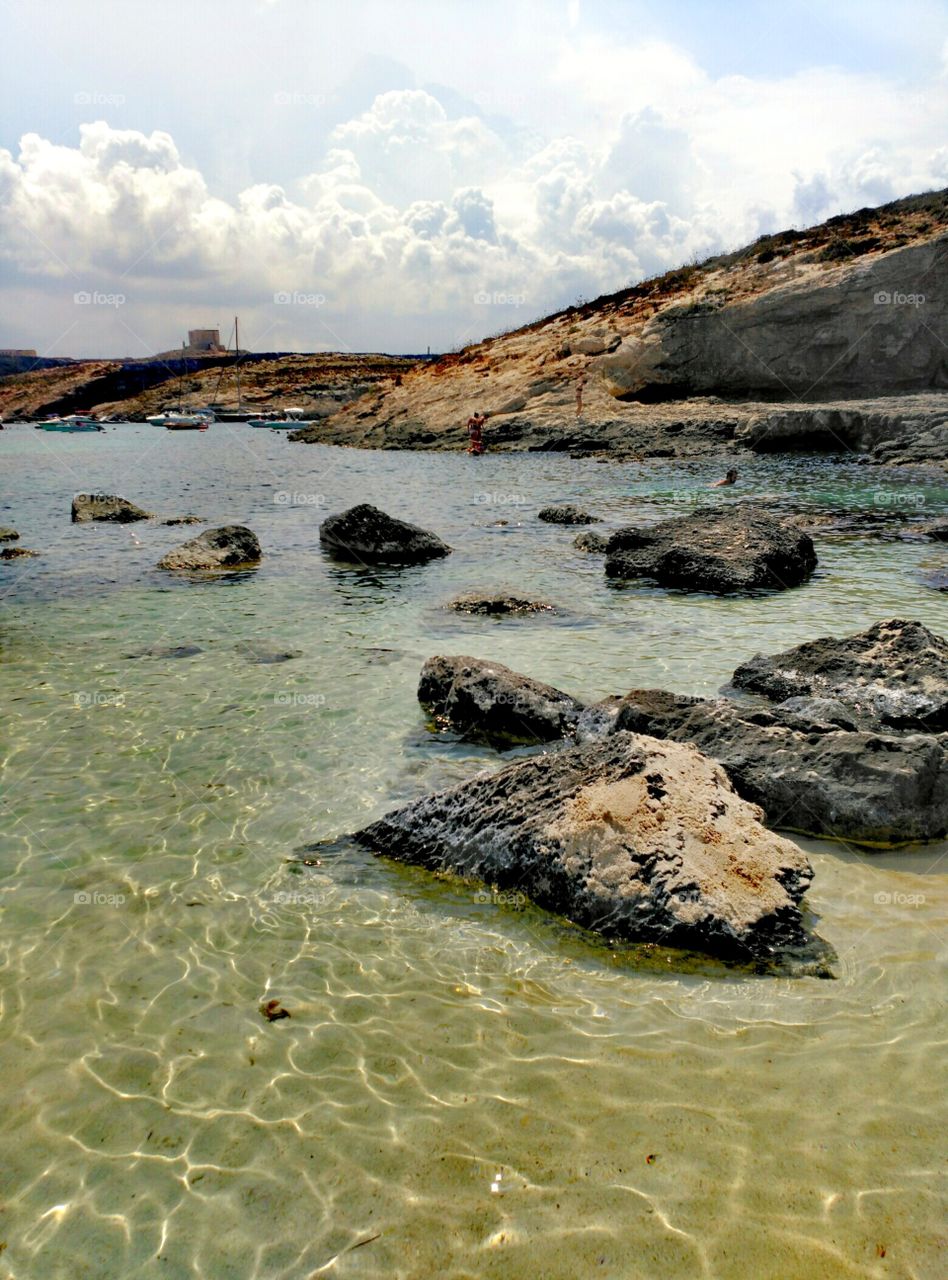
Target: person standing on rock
x: 475, y: 425
x: 730, y: 478
x: 579, y: 394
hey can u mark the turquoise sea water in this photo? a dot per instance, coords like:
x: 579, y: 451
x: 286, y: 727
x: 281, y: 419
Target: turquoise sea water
x: 463, y: 1088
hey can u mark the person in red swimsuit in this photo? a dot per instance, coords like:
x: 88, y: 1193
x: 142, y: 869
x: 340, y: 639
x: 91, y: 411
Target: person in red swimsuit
x: 475, y: 426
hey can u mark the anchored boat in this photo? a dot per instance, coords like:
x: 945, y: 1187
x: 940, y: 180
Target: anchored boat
x: 74, y: 422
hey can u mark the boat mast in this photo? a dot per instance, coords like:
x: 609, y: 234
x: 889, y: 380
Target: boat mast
x: 237, y: 353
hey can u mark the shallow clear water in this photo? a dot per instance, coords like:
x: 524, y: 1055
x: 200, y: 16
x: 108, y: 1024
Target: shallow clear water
x: 462, y: 1088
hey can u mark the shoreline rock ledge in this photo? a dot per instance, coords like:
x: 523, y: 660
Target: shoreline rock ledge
x: 637, y: 839
x: 366, y: 535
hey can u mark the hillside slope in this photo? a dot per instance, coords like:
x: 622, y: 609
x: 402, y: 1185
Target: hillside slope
x: 318, y: 383
x: 840, y: 316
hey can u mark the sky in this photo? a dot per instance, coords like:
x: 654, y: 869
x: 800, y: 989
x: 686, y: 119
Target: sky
x: 394, y: 175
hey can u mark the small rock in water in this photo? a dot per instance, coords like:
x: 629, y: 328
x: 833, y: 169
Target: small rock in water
x: 167, y: 651
x: 273, y: 1011
x: 108, y: 507
x: 8, y: 535
x: 567, y: 514
x: 16, y: 553
x: 383, y: 656
x: 184, y: 520
x: 488, y: 702
x: 595, y: 543
x: 267, y: 657
x: 366, y: 535
x: 232, y: 546
x: 498, y: 605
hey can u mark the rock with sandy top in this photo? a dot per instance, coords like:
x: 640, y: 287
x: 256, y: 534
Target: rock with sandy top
x: 638, y: 839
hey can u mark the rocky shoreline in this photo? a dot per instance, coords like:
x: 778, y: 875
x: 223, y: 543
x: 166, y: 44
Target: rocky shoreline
x: 652, y: 816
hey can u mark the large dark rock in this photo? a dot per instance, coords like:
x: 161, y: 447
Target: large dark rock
x: 805, y: 771
x: 229, y: 547
x: 106, y: 506
x: 567, y: 514
x: 488, y: 702
x: 724, y: 549
x: 894, y: 675
x: 636, y: 838
x: 366, y: 535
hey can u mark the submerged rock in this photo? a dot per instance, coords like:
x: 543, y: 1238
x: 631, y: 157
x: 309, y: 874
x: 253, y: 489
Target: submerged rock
x: 723, y: 549
x: 262, y: 656
x: 807, y: 773
x: 8, y: 535
x: 16, y: 553
x: 567, y: 514
x: 106, y: 506
x: 488, y: 702
x: 595, y: 543
x: 498, y: 605
x: 635, y: 838
x: 229, y: 547
x: 894, y: 674
x: 167, y: 651
x: 364, y: 534
x: 184, y: 520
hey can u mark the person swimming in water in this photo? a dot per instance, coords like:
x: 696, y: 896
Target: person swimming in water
x: 730, y: 478
x: 475, y: 425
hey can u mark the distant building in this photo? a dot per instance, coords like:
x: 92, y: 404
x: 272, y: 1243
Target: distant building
x: 205, y: 341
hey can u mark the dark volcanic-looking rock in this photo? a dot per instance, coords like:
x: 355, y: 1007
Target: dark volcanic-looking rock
x: 635, y: 838
x: 503, y: 605
x: 8, y: 535
x: 16, y: 553
x: 567, y: 514
x: 106, y: 506
x: 229, y: 547
x: 488, y: 702
x: 184, y: 520
x: 592, y: 542
x: 894, y: 674
x: 723, y: 549
x: 804, y: 771
x: 366, y: 535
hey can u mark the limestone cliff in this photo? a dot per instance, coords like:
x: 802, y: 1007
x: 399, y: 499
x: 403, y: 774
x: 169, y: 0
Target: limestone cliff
x: 854, y: 310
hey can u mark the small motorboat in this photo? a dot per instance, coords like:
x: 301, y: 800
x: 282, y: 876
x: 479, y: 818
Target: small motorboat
x: 288, y: 418
x: 74, y: 422
x: 179, y: 420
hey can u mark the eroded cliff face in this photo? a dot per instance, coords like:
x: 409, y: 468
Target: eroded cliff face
x: 875, y: 328
x: 851, y: 310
